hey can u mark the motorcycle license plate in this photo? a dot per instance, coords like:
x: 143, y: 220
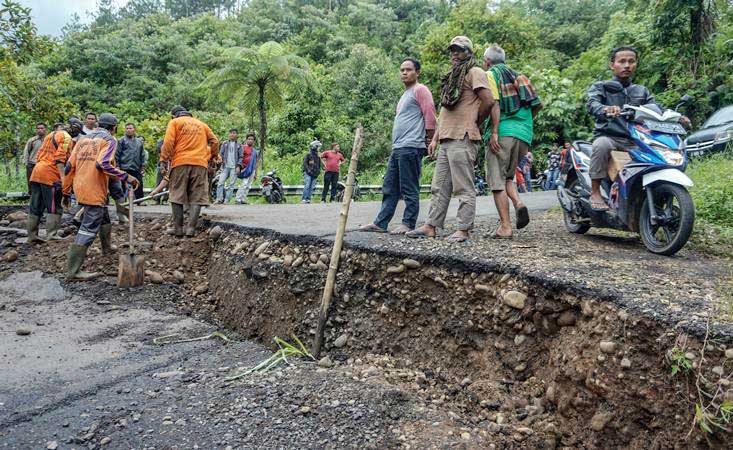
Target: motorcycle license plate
x: 665, y: 127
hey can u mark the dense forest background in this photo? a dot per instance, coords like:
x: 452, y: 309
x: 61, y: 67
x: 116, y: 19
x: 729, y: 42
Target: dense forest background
x: 290, y: 70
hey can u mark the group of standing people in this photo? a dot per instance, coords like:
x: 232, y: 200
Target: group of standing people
x: 497, y: 98
x: 331, y: 161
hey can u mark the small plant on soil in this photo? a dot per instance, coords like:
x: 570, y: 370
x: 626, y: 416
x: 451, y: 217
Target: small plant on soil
x: 285, y: 350
x: 678, y: 361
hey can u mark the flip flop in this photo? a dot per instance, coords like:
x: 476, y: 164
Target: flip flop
x: 498, y: 236
x: 598, y: 206
x: 418, y: 234
x: 372, y: 228
x: 456, y: 238
x: 401, y: 229
x: 522, y: 217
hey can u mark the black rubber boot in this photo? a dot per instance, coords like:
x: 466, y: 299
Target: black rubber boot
x: 193, y: 220
x: 177, y: 219
x: 53, y: 222
x: 75, y: 259
x: 122, y: 212
x: 33, y: 223
x: 105, y: 238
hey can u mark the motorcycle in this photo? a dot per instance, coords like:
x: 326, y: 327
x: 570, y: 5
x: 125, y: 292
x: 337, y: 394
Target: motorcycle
x: 480, y: 183
x: 646, y: 188
x: 542, y: 179
x: 272, y: 187
x: 341, y: 188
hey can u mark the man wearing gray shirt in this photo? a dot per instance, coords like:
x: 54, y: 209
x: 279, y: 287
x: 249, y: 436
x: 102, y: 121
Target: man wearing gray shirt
x: 31, y: 151
x: 231, y: 164
x: 414, y: 125
x: 132, y: 157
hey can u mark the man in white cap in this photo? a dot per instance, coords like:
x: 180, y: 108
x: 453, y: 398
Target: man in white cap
x: 466, y: 101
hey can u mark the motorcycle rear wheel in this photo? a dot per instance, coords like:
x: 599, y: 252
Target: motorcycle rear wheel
x: 674, y: 203
x: 569, y: 218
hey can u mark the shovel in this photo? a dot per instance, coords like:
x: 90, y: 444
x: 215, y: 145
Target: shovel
x: 131, y: 270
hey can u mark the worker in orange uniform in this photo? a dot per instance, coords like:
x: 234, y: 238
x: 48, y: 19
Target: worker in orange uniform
x: 188, y: 147
x: 90, y: 165
x: 46, y: 181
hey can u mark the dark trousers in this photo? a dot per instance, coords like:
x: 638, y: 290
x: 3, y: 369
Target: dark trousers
x: 115, y: 189
x: 401, y: 180
x: 94, y: 218
x: 330, y: 181
x: 45, y: 198
x: 28, y: 172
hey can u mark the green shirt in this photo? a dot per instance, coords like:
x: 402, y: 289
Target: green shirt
x: 517, y: 125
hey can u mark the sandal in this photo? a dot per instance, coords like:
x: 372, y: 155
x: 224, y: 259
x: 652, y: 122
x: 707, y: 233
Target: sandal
x: 499, y: 236
x: 454, y: 238
x: 372, y: 228
x: 401, y: 229
x: 522, y: 217
x: 418, y: 234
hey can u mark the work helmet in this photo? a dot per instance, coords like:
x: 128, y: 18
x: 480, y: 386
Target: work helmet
x: 107, y: 119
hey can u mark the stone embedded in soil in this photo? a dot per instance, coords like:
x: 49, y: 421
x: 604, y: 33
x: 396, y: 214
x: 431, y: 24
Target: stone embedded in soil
x: 599, y: 421
x: 718, y: 370
x: 325, y: 362
x: 341, y: 341
x: 298, y: 261
x: 608, y: 346
x: 52, y: 445
x: 178, y: 276
x: 515, y: 299
x: 288, y: 260
x: 566, y: 319
x: 626, y: 363
x: 261, y: 248
x: 16, y: 216
x: 396, y: 269
x: 411, y: 263
x: 154, y: 277
x: 105, y: 440
x: 215, y: 233
x: 23, y: 331
x: 10, y: 256
x: 482, y: 288
x: 320, y: 265
x: 729, y: 353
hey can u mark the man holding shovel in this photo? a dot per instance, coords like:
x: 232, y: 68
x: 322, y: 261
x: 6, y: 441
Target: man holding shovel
x: 91, y: 162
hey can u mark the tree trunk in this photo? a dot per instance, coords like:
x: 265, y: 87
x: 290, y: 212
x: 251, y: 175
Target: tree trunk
x: 262, y: 106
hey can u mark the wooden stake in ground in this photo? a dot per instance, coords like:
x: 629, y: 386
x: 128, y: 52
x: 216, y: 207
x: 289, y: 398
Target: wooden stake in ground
x: 338, y: 242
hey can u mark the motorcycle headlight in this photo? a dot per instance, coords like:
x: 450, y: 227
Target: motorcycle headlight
x: 673, y: 157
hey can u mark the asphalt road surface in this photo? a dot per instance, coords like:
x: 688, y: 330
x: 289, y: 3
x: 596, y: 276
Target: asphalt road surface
x: 319, y: 219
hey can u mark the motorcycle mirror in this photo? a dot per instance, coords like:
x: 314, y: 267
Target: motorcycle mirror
x: 613, y: 86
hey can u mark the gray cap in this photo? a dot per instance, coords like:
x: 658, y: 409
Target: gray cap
x: 462, y: 42
x: 108, y: 119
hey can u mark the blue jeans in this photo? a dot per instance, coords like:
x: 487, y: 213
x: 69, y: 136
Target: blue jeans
x: 552, y: 179
x: 401, y: 180
x: 309, y: 183
x: 227, y: 179
x: 528, y: 179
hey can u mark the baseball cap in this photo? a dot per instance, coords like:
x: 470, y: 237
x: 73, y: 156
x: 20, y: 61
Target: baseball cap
x: 462, y: 42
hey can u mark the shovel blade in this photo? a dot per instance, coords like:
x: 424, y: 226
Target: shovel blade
x: 131, y: 271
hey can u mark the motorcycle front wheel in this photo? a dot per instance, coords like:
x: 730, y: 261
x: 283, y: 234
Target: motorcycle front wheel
x: 676, y: 217
x: 570, y: 219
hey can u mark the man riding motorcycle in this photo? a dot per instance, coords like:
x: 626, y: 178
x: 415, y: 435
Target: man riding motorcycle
x: 610, y: 130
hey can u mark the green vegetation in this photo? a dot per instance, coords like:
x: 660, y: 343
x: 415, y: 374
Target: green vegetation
x: 295, y: 69
x: 713, y: 197
x: 284, y: 351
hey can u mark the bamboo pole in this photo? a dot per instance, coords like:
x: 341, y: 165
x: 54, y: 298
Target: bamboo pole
x: 338, y: 242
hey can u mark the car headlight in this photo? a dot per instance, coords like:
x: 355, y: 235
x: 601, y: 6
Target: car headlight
x: 723, y: 136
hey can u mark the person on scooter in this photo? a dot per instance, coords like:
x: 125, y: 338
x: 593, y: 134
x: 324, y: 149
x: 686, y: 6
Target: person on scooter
x: 605, y: 106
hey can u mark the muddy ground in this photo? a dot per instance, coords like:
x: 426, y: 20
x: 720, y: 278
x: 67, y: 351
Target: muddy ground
x: 423, y: 352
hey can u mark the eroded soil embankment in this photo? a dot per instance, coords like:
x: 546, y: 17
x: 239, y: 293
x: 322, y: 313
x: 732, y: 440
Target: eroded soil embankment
x: 536, y: 367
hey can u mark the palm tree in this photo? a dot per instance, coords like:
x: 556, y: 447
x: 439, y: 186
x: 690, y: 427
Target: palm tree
x: 257, y: 79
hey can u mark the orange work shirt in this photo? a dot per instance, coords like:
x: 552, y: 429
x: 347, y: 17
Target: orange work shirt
x: 49, y: 155
x: 189, y: 141
x: 91, y: 162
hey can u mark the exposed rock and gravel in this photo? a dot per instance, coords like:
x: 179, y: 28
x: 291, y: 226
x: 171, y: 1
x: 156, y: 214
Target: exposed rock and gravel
x: 428, y: 345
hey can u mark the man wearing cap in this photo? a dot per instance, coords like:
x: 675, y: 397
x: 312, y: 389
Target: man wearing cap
x: 46, y: 181
x: 466, y: 101
x: 188, y: 146
x: 90, y: 165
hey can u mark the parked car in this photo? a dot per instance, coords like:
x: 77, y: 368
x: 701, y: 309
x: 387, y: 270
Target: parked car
x: 715, y: 135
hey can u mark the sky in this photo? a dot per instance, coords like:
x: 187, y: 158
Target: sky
x: 51, y: 15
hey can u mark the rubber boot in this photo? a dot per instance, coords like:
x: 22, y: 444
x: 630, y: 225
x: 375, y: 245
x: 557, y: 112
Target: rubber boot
x: 53, y: 222
x: 105, y: 238
x: 177, y: 219
x: 193, y: 220
x: 33, y: 222
x: 121, y: 212
x: 75, y: 259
